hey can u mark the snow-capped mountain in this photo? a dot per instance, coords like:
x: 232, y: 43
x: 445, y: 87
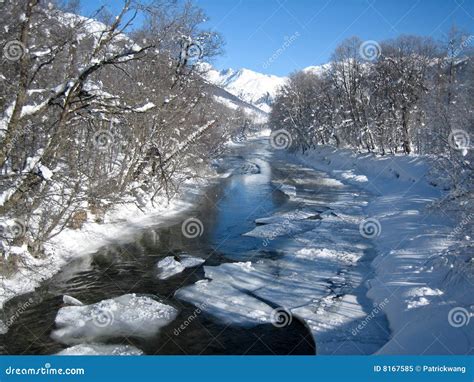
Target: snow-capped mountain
x: 255, y: 88
x: 317, y: 70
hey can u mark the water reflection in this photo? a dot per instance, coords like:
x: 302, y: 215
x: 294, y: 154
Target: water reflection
x: 227, y: 210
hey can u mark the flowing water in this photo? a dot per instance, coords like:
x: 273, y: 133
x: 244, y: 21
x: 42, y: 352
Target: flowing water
x: 227, y: 210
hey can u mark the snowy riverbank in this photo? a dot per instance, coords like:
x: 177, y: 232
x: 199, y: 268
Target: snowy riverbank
x: 361, y: 254
x: 361, y: 251
x: 423, y: 272
x: 120, y: 225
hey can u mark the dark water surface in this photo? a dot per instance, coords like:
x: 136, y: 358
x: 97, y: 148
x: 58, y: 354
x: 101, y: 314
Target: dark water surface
x: 227, y: 210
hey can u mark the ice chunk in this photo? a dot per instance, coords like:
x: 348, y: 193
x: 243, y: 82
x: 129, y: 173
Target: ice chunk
x: 288, y: 189
x: 128, y: 315
x: 146, y: 107
x: 69, y: 300
x: 99, y: 349
x: 171, y: 266
x: 282, y: 218
x: 228, y: 296
x: 190, y: 262
x: 248, y: 168
x: 344, y: 257
x: 272, y: 231
x: 226, y: 303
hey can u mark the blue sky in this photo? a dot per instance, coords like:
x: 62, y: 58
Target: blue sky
x: 254, y: 30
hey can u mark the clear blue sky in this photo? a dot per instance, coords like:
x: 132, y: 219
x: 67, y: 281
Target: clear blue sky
x: 255, y: 29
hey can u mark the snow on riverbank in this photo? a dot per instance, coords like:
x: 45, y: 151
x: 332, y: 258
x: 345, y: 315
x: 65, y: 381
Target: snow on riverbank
x: 313, y: 272
x: 120, y: 224
x: 422, y: 276
x: 362, y: 257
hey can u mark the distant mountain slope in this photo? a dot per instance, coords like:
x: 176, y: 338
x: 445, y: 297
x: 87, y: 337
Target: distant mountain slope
x: 318, y: 70
x: 233, y: 102
x: 252, y: 87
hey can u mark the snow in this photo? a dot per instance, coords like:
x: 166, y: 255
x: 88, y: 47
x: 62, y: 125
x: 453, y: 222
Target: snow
x: 87, y: 27
x: 234, y: 103
x: 413, y: 270
x: 318, y: 70
x: 226, y: 102
x: 170, y: 266
x: 255, y: 88
x: 69, y: 300
x: 45, y: 172
x: 146, y: 107
x: 32, y: 109
x: 3, y: 327
x: 128, y: 315
x: 98, y: 349
x: 358, y: 295
x: 120, y: 225
x: 6, y: 119
x: 222, y: 296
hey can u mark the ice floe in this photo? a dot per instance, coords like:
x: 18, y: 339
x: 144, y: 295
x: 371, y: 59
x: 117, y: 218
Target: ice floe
x: 172, y: 265
x: 128, y: 315
x: 226, y: 296
x: 69, y: 300
x: 99, y: 349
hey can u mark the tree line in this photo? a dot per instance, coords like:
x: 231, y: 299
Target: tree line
x: 100, y: 113
x: 409, y: 95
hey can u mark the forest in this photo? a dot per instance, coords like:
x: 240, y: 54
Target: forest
x: 410, y: 95
x: 98, y: 113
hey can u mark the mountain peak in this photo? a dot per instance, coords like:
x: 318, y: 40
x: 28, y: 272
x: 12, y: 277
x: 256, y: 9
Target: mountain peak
x: 257, y: 89
x: 253, y: 87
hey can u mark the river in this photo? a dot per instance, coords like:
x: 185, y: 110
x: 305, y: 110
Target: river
x: 227, y: 210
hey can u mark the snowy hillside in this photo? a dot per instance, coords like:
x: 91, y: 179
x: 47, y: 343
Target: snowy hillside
x: 318, y: 70
x: 252, y: 87
x: 255, y: 88
x: 233, y: 102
